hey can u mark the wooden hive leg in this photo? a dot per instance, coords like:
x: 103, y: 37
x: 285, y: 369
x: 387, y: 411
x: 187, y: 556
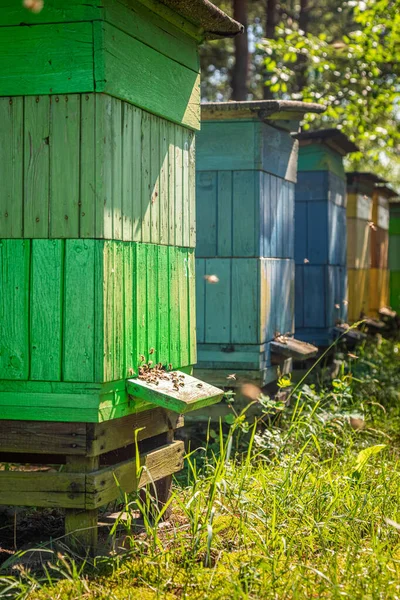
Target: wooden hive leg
x: 164, y: 486
x: 81, y: 524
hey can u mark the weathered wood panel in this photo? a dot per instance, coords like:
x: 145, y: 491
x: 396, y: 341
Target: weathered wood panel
x: 121, y: 60
x: 358, y: 293
x: 84, y: 166
x: 86, y: 310
x: 46, y: 59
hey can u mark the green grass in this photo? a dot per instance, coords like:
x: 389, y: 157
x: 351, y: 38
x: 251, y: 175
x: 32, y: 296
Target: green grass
x: 308, y: 507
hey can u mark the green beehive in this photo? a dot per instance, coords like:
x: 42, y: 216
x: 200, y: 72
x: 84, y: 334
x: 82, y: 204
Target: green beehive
x: 394, y: 253
x: 98, y: 108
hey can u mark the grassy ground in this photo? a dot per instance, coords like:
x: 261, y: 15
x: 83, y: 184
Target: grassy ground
x: 306, y: 508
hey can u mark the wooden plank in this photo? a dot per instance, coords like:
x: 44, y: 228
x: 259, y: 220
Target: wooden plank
x: 299, y: 297
x: 46, y: 59
x: 358, y: 244
x: 129, y: 308
x: 279, y: 216
x: 174, y: 308
x: 218, y: 298
x: 224, y: 211
x: 200, y: 299
x: 314, y: 287
x: 245, y: 301
x: 265, y: 214
x: 276, y: 151
x: 245, y: 211
x: 206, y: 213
x: 171, y: 183
x: 179, y: 166
x: 301, y: 220
x: 226, y: 146
x: 108, y: 324
x: 121, y: 60
x: 183, y: 276
x: 192, y: 191
x: 152, y: 302
x: 105, y: 437
x: 163, y: 182
x: 127, y: 200
x: 11, y: 161
x: 155, y: 168
x: 116, y: 168
x: 120, y: 370
x: 142, y: 24
x: 162, y: 304
x: 87, y: 176
x: 81, y: 525
x: 64, y: 167
x: 141, y: 301
x: 358, y: 293
x: 79, y: 311
x: 14, y: 309
x: 36, y: 175
x: 105, y: 485
x: 53, y: 12
x: 273, y: 199
x: 178, y: 392
x: 146, y: 178
x: 42, y: 489
x: 186, y: 187
x: 46, y: 311
x: 317, y: 233
x: 43, y: 437
x: 292, y: 348
x: 191, y: 273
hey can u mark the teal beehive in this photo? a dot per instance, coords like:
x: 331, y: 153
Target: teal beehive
x: 321, y: 235
x: 246, y: 171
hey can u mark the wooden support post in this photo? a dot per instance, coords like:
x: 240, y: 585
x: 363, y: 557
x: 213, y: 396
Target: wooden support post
x: 81, y: 524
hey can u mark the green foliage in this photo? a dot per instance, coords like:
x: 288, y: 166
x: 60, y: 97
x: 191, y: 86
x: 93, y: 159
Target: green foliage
x: 355, y: 74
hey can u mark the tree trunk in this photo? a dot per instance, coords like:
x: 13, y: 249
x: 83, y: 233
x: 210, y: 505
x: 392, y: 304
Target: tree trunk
x: 270, y: 25
x: 301, y: 66
x: 241, y: 67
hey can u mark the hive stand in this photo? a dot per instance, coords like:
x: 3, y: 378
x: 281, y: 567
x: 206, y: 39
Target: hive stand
x: 321, y: 235
x: 394, y: 253
x: 246, y: 170
x: 98, y: 108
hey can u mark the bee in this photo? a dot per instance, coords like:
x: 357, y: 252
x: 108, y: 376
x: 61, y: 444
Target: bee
x: 211, y: 278
x: 350, y: 355
x: 232, y: 376
x: 151, y: 351
x: 306, y: 261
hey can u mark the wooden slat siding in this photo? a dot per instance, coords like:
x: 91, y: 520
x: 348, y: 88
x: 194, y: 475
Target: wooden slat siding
x: 191, y: 267
x: 46, y: 311
x: 265, y: 301
x: 358, y: 292
x: 317, y: 233
x: 320, y: 158
x: 162, y: 303
x: 99, y: 309
x: 245, y: 214
x: 155, y: 167
x: 290, y: 230
x: 179, y: 165
x: 42, y: 489
x: 109, y: 281
x: 174, y: 311
x: 54, y: 12
x: 192, y: 191
x: 11, y: 152
x: 332, y: 295
x: 245, y: 301
x: 299, y: 303
x: 200, y: 299
x: 186, y: 137
x: 224, y: 214
x: 217, y: 301
x: 342, y: 239
x: 127, y: 151
x: 116, y: 168
x: 164, y: 198
x: 184, y: 330
x: 273, y: 202
x: 121, y: 59
x: 276, y: 151
x: 279, y: 216
x: 314, y: 286
x: 104, y: 151
x: 206, y: 213
x: 286, y: 313
x: 64, y: 169
x: 141, y: 301
x: 79, y: 316
x: 394, y: 252
x: 171, y: 183
x: 359, y: 244
x: 120, y: 362
x: 152, y: 302
x: 395, y: 290
x: 88, y: 200
x: 215, y: 143
x: 46, y: 59
x: 14, y: 309
x: 312, y: 185
x: 146, y: 178
x: 265, y: 214
x: 129, y: 308
x: 136, y: 142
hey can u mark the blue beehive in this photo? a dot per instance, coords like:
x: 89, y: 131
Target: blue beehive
x: 246, y: 170
x: 320, y: 235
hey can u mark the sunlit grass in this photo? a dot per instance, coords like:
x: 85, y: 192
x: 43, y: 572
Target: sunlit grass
x: 307, y: 508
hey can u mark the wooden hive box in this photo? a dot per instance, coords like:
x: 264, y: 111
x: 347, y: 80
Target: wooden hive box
x: 99, y: 104
x: 394, y: 253
x: 246, y: 171
x: 321, y: 235
x: 380, y: 277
